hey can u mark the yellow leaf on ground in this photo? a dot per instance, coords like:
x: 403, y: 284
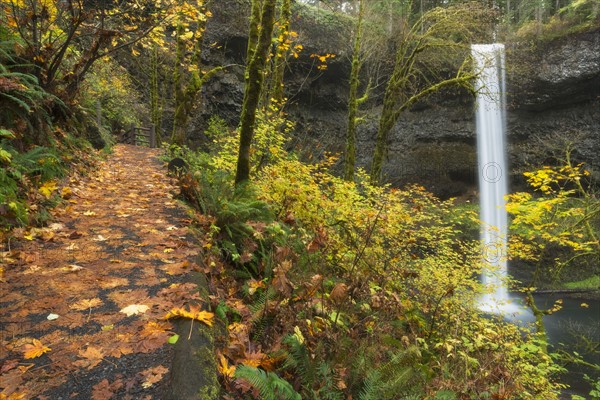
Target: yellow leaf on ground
x: 35, y: 350
x: 224, y: 368
x: 47, y: 188
x: 66, y: 193
x: 193, y: 313
x: 134, y: 309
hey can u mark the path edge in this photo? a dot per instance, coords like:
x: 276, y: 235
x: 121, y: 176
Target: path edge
x: 194, y: 367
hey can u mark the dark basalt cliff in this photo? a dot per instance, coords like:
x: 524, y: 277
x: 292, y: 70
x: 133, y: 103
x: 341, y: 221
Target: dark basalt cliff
x: 553, y: 97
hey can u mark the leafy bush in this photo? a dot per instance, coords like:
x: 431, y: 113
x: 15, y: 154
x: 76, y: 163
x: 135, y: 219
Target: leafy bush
x: 560, y: 226
x: 25, y: 178
x: 24, y: 104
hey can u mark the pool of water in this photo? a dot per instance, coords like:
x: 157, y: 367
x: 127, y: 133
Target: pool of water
x: 566, y: 329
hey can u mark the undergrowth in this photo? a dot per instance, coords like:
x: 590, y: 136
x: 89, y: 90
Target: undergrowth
x: 330, y: 289
x: 35, y: 153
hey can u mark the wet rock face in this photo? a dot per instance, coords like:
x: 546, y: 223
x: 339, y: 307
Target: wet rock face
x: 558, y: 74
x: 553, y: 95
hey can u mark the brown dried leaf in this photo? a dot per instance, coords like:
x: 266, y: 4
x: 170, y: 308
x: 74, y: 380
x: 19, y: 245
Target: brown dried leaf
x: 105, y: 391
x: 91, y: 357
x: 153, y: 375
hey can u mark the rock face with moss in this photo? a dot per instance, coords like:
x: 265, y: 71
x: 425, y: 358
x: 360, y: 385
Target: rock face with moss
x: 553, y: 97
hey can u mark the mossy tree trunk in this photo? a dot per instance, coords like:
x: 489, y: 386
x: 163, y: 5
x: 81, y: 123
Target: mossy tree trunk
x: 277, y: 94
x: 407, y: 84
x: 178, y: 136
x: 186, y: 95
x: 256, y: 61
x: 353, y: 100
x: 253, y: 31
x: 155, y: 99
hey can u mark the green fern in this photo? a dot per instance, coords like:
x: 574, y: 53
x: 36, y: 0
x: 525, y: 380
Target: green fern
x: 21, y: 96
x: 261, y: 319
x: 270, y: 385
x: 396, y: 379
x: 41, y: 161
x: 317, y: 378
x: 298, y: 358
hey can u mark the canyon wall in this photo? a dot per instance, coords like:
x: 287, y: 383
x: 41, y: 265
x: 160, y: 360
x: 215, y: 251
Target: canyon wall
x: 553, y: 98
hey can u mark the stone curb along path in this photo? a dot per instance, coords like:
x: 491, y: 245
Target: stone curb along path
x: 83, y: 301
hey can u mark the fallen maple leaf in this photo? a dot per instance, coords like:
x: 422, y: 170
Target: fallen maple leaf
x: 47, y: 235
x: 224, y: 368
x: 35, y: 350
x: 91, y: 357
x: 154, y: 328
x: 47, y: 188
x: 29, y: 236
x: 153, y: 375
x: 193, y: 313
x: 134, y: 309
x: 105, y: 391
x: 254, y: 285
x: 89, y: 213
x: 254, y: 358
x: 13, y: 396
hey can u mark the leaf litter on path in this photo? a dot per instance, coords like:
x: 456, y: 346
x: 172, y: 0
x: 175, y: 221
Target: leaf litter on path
x: 102, y: 267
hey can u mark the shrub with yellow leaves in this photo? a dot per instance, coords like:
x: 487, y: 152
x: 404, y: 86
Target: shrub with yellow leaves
x: 561, y: 224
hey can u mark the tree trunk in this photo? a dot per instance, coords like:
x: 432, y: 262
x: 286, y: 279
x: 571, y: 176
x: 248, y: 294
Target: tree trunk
x: 350, y: 156
x: 278, y: 95
x: 185, y: 96
x: 254, y: 81
x: 178, y: 136
x: 155, y: 102
x: 255, y: 17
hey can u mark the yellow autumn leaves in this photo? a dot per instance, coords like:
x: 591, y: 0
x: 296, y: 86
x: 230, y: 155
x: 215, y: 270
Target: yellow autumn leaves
x: 193, y: 313
x: 322, y: 60
x: 35, y: 349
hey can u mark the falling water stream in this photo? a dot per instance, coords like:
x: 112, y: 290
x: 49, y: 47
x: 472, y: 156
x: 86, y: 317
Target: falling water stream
x: 491, y: 150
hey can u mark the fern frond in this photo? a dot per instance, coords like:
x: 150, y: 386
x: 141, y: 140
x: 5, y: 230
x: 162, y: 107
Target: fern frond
x: 270, y: 385
x: 395, y: 378
x: 298, y: 358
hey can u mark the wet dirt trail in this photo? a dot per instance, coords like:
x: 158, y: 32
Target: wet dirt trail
x: 83, y: 301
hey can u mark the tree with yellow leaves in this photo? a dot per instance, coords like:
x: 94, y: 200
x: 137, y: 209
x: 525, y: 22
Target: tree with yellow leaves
x: 61, y: 40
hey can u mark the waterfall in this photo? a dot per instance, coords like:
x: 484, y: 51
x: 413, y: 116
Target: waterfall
x: 491, y: 151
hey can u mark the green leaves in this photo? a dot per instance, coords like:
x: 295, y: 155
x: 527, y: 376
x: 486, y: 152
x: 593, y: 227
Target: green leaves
x: 269, y: 384
x: 173, y: 339
x: 4, y: 133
